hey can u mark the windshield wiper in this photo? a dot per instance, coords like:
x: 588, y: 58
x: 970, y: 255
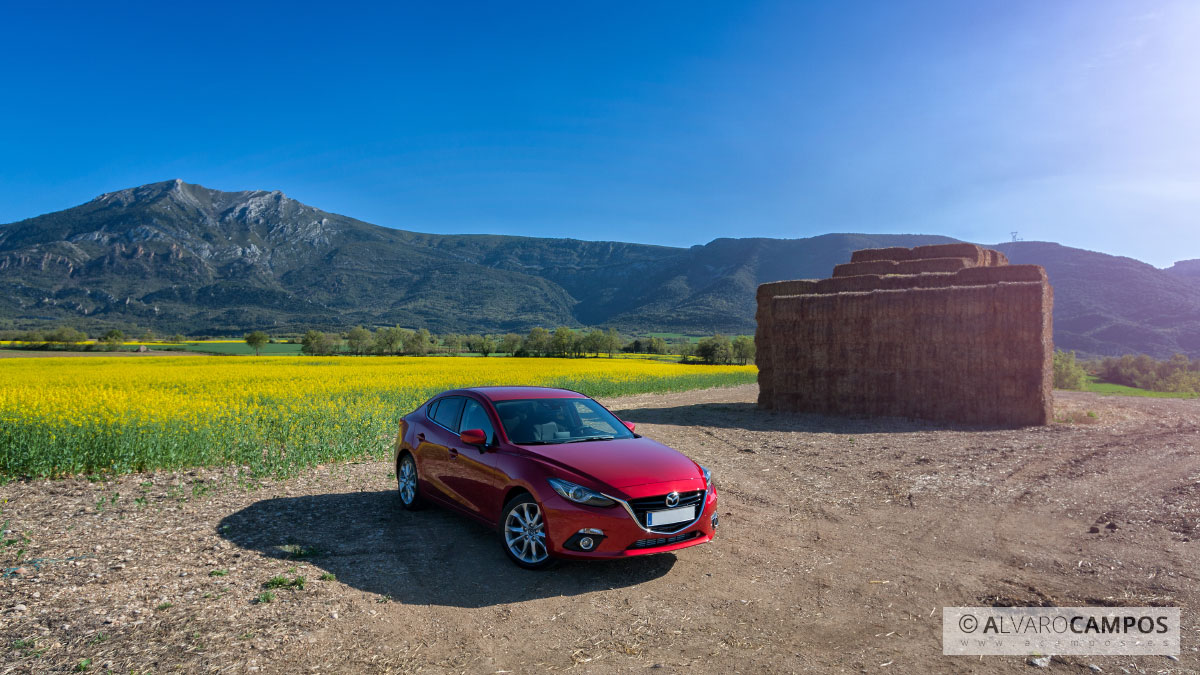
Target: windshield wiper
x: 588, y: 438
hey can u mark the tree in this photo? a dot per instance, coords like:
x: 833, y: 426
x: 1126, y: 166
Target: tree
x: 256, y: 340
x: 418, y: 342
x: 389, y: 340
x: 359, y: 340
x: 1067, y: 373
x: 685, y: 349
x: 453, y: 343
x: 484, y: 344
x: 538, y: 341
x: 715, y: 349
x: 316, y: 343
x: 509, y: 344
x: 612, y: 342
x: 178, y: 338
x: 113, y: 340
x: 743, y: 349
x: 562, y: 342
x: 657, y: 346
x: 592, y: 343
x: 65, y: 335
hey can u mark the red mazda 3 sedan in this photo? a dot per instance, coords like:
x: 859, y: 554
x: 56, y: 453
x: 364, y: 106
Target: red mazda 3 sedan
x: 555, y: 472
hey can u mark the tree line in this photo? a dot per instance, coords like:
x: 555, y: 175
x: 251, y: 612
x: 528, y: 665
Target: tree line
x: 539, y: 342
x: 1177, y: 374
x: 67, y: 337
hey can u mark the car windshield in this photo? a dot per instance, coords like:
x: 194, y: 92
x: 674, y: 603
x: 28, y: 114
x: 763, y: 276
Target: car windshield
x: 543, y: 421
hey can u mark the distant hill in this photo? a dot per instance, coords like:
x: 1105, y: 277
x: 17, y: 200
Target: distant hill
x: 1186, y: 268
x: 1109, y: 305
x: 180, y: 257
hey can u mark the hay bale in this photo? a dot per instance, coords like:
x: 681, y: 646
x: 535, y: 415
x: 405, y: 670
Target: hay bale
x: 973, y: 345
x: 976, y: 276
x: 872, y: 254
x: 762, y: 332
x: 970, y: 251
x: 926, y: 265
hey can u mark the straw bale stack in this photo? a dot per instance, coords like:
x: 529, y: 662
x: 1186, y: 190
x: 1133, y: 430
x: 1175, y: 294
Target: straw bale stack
x: 762, y: 338
x: 970, y: 344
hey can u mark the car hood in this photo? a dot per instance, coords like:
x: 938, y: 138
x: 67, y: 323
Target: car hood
x: 620, y: 462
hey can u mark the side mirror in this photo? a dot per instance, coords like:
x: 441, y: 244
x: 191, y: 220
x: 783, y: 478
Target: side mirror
x: 630, y: 425
x: 473, y: 437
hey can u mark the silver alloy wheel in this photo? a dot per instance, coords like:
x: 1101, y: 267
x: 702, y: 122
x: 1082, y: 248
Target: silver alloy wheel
x: 525, y: 533
x: 407, y: 480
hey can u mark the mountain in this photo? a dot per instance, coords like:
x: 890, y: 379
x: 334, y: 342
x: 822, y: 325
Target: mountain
x: 1109, y: 305
x: 1186, y: 268
x: 178, y: 257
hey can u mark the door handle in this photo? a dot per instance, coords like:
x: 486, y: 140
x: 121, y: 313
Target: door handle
x: 453, y: 453
x: 421, y: 437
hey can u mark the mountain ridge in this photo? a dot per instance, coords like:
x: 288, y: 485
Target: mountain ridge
x: 176, y: 256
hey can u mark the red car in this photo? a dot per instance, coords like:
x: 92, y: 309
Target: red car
x: 555, y: 472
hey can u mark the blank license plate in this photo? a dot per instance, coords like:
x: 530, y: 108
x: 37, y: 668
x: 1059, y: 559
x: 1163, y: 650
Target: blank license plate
x: 672, y: 516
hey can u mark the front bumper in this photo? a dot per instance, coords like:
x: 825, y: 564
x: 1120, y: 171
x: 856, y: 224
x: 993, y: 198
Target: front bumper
x: 623, y: 537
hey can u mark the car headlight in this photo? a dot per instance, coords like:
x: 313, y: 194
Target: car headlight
x: 578, y: 493
x: 707, y: 477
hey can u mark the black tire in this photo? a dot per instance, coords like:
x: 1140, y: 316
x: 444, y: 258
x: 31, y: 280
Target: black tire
x: 408, y: 485
x: 525, y: 547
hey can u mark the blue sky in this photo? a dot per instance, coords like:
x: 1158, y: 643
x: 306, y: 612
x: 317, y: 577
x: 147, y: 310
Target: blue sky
x: 670, y: 123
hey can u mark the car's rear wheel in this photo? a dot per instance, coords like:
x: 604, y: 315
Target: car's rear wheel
x: 523, y: 533
x: 407, y: 484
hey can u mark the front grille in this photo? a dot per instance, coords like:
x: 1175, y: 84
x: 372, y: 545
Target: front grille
x: 663, y: 541
x: 659, y: 503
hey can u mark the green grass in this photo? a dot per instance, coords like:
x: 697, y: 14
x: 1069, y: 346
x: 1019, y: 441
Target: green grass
x: 1094, y: 384
x: 243, y: 349
x: 283, y: 582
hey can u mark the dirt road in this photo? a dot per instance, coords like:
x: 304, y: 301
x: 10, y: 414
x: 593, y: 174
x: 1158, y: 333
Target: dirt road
x: 841, y: 541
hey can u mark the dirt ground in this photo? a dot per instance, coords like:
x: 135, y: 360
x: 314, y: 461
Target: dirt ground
x: 840, y: 542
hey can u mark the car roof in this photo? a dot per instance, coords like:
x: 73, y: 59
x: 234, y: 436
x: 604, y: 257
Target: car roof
x: 511, y: 393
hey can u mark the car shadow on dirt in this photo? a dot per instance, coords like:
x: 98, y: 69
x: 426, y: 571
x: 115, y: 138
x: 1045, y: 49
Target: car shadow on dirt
x: 748, y: 416
x: 426, y: 557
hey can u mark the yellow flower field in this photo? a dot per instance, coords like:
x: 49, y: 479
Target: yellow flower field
x: 64, y: 416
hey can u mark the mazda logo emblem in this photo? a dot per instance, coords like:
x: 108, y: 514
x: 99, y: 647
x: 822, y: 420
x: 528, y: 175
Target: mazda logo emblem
x: 673, y: 499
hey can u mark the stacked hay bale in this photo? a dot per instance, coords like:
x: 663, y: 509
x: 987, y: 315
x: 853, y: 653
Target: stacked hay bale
x: 948, y: 333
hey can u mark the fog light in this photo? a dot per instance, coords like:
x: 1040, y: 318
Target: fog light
x: 714, y: 520
x: 586, y: 543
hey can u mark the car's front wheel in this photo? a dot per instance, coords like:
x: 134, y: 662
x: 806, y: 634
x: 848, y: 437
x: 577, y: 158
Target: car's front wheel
x: 523, y: 533
x: 406, y: 483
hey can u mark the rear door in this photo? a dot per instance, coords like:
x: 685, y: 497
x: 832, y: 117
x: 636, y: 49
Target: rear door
x: 439, y: 447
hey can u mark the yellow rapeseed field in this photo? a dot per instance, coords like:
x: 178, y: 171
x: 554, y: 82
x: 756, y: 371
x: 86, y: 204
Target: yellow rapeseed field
x: 64, y: 416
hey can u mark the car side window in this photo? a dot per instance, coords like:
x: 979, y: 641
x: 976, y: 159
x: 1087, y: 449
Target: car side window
x: 447, y: 412
x: 475, y: 417
x: 432, y: 408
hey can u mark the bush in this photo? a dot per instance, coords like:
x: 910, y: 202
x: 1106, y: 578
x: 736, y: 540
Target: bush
x: 1177, y: 374
x: 1068, y: 374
